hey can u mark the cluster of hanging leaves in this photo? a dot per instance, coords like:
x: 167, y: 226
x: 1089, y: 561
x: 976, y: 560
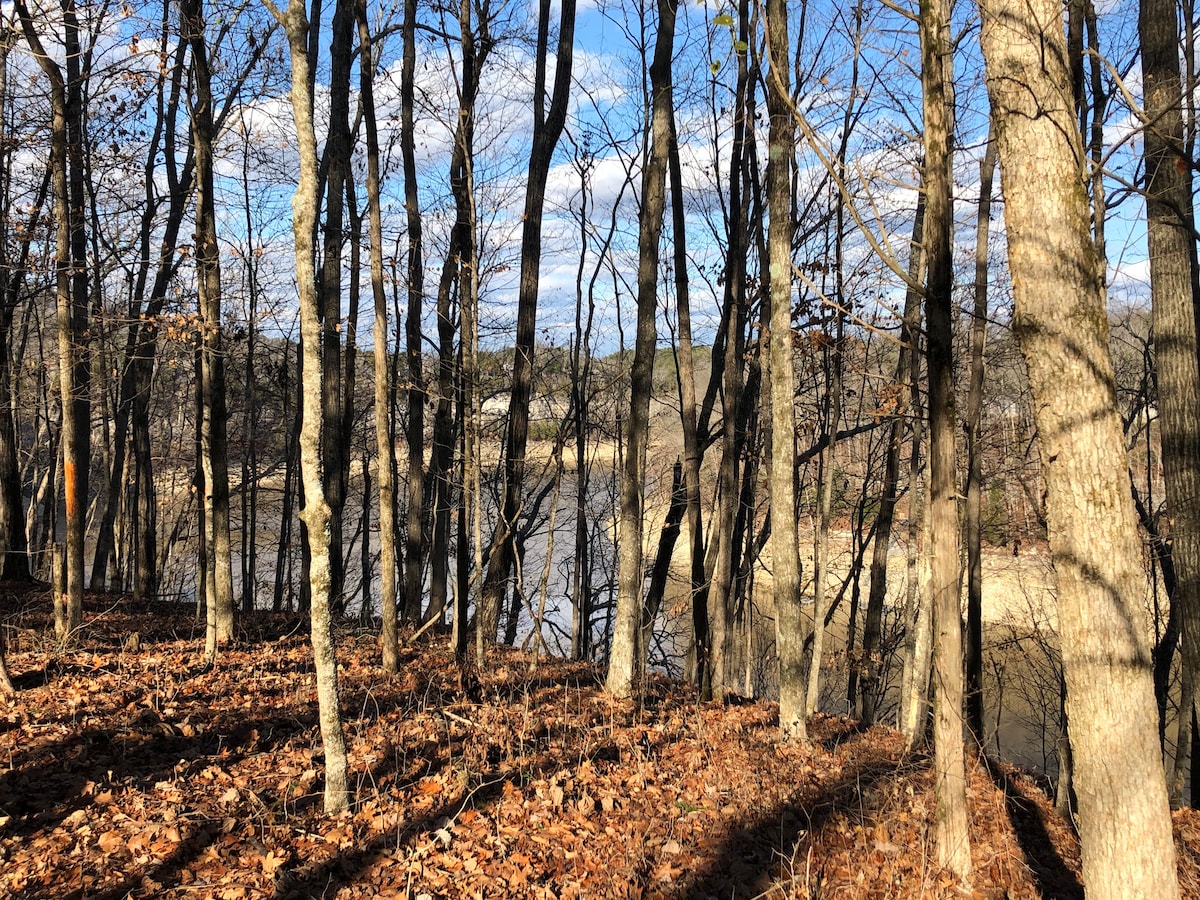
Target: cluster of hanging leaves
x: 131, y: 770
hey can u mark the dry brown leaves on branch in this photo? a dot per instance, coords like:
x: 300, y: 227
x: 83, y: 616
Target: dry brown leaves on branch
x: 140, y: 773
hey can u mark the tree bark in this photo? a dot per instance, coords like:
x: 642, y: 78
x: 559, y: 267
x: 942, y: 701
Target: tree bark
x: 334, y: 397
x: 785, y: 550
x: 315, y: 514
x: 415, y: 392
x: 833, y: 414
x: 214, y: 455
x: 71, y: 289
x: 383, y: 441
x: 1061, y: 324
x: 14, y: 565
x: 1170, y: 244
x: 937, y: 74
x: 626, y: 655
x: 733, y: 345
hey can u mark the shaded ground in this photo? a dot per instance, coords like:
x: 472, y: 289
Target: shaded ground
x: 138, y: 773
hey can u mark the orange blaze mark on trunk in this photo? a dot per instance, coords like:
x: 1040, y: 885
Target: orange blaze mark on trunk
x: 69, y: 488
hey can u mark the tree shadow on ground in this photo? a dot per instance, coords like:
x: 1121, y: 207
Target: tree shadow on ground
x: 1054, y: 878
x: 761, y: 852
x: 89, y: 761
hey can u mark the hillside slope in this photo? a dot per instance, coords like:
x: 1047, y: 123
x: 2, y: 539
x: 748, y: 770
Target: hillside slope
x: 136, y: 772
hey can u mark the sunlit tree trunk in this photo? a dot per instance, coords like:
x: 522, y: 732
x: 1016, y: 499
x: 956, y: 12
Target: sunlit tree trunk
x: 316, y: 513
x: 1062, y: 326
x: 785, y: 551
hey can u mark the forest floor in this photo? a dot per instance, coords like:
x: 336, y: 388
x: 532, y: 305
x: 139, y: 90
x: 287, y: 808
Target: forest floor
x: 130, y: 769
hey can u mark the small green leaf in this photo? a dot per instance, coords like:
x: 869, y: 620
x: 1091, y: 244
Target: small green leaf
x: 740, y: 46
x: 724, y: 19
x: 714, y: 67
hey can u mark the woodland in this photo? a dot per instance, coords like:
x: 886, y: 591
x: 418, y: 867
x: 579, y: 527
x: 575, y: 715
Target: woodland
x: 622, y: 449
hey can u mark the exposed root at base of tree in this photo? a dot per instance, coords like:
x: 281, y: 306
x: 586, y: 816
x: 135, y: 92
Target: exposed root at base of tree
x: 141, y: 773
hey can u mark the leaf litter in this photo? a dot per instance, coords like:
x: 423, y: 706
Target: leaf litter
x: 129, y: 769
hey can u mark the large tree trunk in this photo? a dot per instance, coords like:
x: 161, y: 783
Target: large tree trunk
x: 626, y: 655
x: 547, y: 128
x: 785, y: 551
x: 1062, y: 327
x: 1170, y: 245
x: 316, y: 514
x: 937, y: 73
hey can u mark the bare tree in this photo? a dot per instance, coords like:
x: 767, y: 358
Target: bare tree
x: 383, y: 439
x: 973, y: 529
x: 547, y: 128
x: 71, y: 291
x: 626, y: 655
x: 785, y: 550
x: 214, y: 461
x: 315, y: 514
x: 937, y: 81
x: 1171, y: 247
x: 414, y: 354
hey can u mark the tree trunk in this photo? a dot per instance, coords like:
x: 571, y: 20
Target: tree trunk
x: 383, y: 442
x: 626, y: 656
x: 693, y: 452
x: 937, y: 74
x: 785, y: 551
x: 733, y: 343
x: 71, y: 283
x: 1170, y: 245
x: 415, y: 393
x: 906, y: 373
x: 1061, y: 324
x: 547, y: 128
x: 974, y: 508
x: 14, y: 565
x: 316, y: 514
x: 334, y: 399
x: 833, y: 414
x: 212, y: 355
